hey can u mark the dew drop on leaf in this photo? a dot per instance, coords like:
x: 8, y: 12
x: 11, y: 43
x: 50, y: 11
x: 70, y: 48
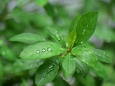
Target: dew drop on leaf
x: 49, y: 49
x: 81, y: 42
x: 84, y: 31
x: 38, y: 51
x: 43, y: 50
x: 58, y: 37
x: 50, y: 67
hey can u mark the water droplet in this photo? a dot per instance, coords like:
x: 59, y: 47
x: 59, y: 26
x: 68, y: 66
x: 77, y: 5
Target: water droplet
x: 58, y: 37
x: 81, y: 42
x: 84, y: 31
x: 38, y: 51
x: 43, y: 50
x: 49, y: 49
x: 50, y: 67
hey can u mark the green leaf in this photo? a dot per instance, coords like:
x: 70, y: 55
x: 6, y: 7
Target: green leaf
x: 58, y: 81
x: 72, y: 38
x: 85, y: 53
x: 81, y: 67
x: 85, y: 81
x: 42, y: 2
x: 102, y: 56
x: 8, y: 53
x: 86, y: 26
x: 53, y: 33
x: 27, y: 38
x: 46, y: 73
x: 24, y: 64
x: 68, y: 66
x: 42, y: 50
x: 75, y: 21
x: 99, y: 70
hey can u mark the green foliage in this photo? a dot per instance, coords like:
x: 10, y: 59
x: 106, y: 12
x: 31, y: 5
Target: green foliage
x: 102, y: 56
x: 46, y: 73
x: 22, y: 64
x: 68, y: 66
x: 86, y: 26
x: 72, y: 38
x: 27, y: 38
x: 42, y: 50
x: 81, y: 67
x: 42, y: 44
x: 42, y: 2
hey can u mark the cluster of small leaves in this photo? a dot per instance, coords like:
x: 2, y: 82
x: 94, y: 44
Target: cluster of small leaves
x: 78, y: 56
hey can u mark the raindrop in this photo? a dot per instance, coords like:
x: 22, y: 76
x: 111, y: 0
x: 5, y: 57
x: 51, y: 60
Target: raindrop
x: 49, y: 49
x: 57, y: 61
x: 43, y: 50
x: 58, y: 37
x: 84, y: 31
x: 50, y: 67
x: 81, y: 42
x: 38, y: 51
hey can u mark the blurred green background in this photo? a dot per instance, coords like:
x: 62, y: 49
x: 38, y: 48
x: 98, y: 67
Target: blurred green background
x: 19, y: 16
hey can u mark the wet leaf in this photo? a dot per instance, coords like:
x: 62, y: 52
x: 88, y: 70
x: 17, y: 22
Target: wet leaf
x: 100, y: 71
x: 42, y: 50
x: 85, y: 53
x: 86, y: 26
x: 54, y: 33
x: 68, y: 66
x: 102, y: 56
x: 46, y: 73
x: 81, y: 67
